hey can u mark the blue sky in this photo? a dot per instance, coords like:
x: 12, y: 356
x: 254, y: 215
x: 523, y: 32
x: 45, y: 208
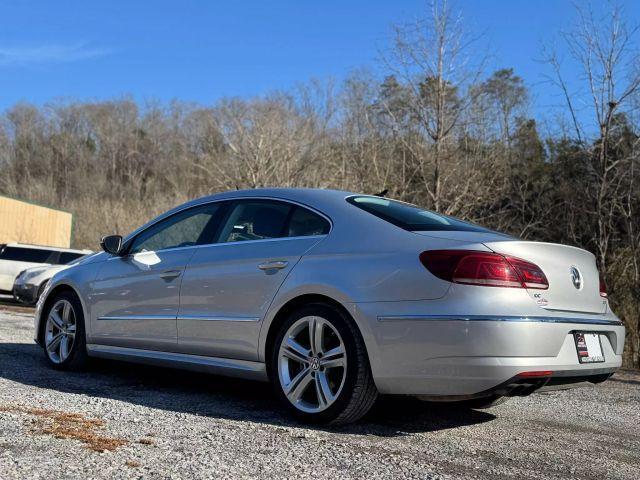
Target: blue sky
x: 203, y: 50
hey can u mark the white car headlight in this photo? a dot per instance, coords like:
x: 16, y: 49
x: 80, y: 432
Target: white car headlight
x: 26, y: 276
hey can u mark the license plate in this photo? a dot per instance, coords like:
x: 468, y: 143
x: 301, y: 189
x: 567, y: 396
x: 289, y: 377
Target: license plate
x: 589, y: 347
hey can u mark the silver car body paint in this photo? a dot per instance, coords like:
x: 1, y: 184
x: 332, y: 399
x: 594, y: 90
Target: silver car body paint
x: 424, y: 336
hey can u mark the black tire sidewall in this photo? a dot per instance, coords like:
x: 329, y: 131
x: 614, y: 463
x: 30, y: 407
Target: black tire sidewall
x: 78, y: 355
x: 346, y: 331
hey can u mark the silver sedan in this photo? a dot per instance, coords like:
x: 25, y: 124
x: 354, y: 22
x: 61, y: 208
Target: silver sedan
x: 335, y: 298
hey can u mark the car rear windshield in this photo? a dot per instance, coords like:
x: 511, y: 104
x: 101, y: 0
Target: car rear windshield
x: 31, y: 255
x: 410, y: 217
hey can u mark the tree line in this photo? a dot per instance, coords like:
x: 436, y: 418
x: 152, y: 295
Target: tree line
x: 435, y: 129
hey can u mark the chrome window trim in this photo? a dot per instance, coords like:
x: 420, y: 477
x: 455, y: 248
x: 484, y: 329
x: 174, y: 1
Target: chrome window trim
x: 497, y: 318
x: 231, y: 199
x: 242, y: 242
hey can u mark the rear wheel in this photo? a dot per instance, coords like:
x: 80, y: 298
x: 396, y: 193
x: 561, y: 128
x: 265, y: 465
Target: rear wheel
x: 319, y: 367
x: 64, y: 335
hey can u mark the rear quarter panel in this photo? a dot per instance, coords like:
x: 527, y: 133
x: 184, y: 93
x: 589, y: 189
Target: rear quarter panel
x: 364, y: 259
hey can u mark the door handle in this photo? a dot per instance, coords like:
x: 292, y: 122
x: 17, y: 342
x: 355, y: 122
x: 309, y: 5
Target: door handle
x: 170, y: 274
x: 277, y: 265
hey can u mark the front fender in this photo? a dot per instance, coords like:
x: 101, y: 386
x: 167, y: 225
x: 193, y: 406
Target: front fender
x: 77, y: 278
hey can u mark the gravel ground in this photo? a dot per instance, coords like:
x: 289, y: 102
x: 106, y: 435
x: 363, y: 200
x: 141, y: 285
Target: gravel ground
x: 124, y: 421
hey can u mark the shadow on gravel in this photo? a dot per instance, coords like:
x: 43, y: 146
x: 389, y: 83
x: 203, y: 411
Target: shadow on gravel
x: 624, y: 380
x: 213, y: 396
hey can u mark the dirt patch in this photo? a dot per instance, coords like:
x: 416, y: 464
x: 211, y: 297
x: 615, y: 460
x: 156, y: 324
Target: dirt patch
x: 65, y: 425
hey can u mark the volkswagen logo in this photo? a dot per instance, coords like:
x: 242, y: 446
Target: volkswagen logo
x: 314, y: 363
x: 576, y: 278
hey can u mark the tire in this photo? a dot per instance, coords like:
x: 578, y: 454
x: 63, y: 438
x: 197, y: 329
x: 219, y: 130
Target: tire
x: 71, y: 332
x: 484, y: 402
x: 325, y: 386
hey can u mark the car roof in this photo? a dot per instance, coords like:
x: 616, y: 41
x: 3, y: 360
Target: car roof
x: 324, y: 200
x: 296, y: 194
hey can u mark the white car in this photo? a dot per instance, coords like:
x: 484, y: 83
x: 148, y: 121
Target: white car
x: 30, y: 283
x: 15, y: 257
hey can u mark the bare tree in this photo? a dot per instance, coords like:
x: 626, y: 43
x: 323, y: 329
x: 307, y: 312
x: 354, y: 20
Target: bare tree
x: 606, y: 51
x: 433, y: 60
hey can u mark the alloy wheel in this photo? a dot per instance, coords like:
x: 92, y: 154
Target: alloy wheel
x: 312, y: 364
x: 60, y: 331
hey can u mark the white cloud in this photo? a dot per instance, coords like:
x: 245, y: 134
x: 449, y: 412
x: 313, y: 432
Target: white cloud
x: 12, y: 56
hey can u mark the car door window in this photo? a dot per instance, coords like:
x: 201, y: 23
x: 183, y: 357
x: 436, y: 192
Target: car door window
x: 305, y: 223
x: 30, y: 255
x: 256, y: 220
x: 195, y: 226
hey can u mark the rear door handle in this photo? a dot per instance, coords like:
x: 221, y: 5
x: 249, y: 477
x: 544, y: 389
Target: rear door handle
x: 170, y: 274
x: 277, y: 265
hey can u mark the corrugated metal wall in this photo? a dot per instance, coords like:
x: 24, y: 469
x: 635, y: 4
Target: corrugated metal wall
x: 28, y: 223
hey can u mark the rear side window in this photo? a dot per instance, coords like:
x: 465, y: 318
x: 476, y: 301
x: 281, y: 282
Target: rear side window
x: 32, y: 255
x: 305, y: 223
x: 410, y: 217
x: 266, y: 219
x: 255, y: 220
x: 68, y: 257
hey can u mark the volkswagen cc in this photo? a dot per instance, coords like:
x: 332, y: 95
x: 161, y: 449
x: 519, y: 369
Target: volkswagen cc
x: 336, y: 298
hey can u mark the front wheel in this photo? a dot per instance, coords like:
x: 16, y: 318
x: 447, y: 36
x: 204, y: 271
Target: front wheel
x: 319, y: 367
x: 64, y: 335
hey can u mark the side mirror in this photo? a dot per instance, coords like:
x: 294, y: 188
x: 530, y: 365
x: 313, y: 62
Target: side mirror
x: 111, y: 244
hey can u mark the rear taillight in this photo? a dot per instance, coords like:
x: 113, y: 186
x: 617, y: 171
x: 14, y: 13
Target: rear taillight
x: 530, y: 274
x: 603, y: 288
x: 483, y: 268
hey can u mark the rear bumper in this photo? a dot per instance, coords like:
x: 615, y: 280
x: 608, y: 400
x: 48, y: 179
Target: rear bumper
x: 525, y: 385
x: 468, y: 356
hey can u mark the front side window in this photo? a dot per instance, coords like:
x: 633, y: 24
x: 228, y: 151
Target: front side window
x: 410, y: 217
x: 31, y: 255
x: 195, y: 226
x: 256, y: 220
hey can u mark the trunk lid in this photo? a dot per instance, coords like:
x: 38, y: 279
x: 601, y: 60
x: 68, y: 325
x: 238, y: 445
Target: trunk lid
x: 561, y: 264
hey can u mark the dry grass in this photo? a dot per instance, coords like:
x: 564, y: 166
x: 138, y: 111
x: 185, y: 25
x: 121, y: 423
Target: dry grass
x: 65, y: 425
